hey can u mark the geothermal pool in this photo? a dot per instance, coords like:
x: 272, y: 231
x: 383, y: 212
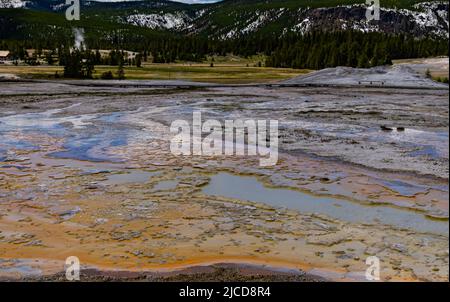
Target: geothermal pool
x: 93, y: 176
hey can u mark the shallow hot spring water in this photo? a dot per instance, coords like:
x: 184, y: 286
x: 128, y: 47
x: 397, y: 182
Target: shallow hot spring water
x: 134, y: 176
x: 250, y: 189
x: 104, y: 132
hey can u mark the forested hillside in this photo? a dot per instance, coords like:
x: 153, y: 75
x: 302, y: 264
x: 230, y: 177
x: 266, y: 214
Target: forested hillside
x: 291, y: 33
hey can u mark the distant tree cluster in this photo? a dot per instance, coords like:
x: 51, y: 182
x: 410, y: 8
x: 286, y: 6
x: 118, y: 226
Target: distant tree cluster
x: 117, y: 57
x: 78, y: 64
x: 355, y: 49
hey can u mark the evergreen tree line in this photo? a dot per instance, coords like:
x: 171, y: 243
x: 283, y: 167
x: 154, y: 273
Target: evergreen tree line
x: 314, y: 50
x: 355, y: 49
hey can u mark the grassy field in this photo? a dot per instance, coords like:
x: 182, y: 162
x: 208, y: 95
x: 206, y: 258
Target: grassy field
x: 230, y: 70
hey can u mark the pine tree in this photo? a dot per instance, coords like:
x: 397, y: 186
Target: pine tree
x: 121, y: 70
x: 363, y: 61
x: 138, y: 60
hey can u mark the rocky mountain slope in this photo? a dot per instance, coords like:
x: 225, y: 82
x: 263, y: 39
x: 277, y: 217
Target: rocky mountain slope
x: 234, y: 18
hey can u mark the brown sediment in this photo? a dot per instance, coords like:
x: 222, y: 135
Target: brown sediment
x: 186, y: 228
x: 51, y: 209
x: 223, y: 272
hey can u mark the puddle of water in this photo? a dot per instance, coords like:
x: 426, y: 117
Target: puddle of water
x: 87, y: 137
x: 428, y: 151
x: 404, y: 188
x: 92, y: 148
x: 432, y: 144
x: 22, y: 270
x: 2, y: 155
x: 166, y: 185
x: 8, y: 142
x: 249, y: 188
x: 44, y: 121
x: 136, y: 176
x: 66, y: 215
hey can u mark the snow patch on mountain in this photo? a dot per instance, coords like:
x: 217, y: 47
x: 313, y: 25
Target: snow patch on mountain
x: 249, y: 23
x: 303, y: 27
x: 12, y: 3
x: 427, y: 17
x: 262, y: 18
x: 177, y: 21
x: 58, y: 7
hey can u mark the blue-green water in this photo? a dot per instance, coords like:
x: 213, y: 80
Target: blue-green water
x: 250, y: 189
